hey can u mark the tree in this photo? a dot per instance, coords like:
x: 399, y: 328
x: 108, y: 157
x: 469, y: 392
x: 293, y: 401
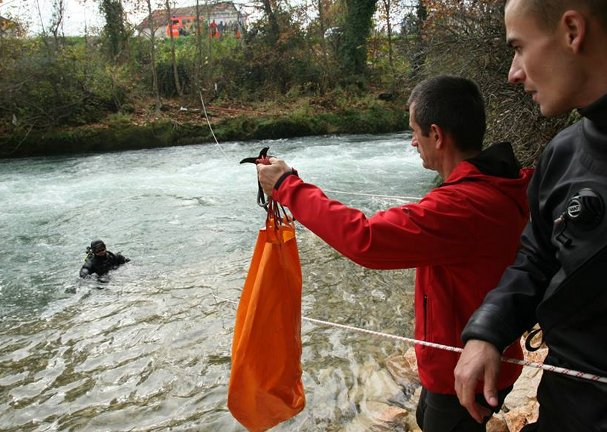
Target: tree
x: 199, y: 51
x: 356, y: 30
x: 387, y: 12
x: 153, y: 56
x: 173, y: 57
x: 115, y: 29
x: 57, y: 19
x: 322, y: 30
x: 418, y: 53
x: 58, y: 10
x: 269, y: 10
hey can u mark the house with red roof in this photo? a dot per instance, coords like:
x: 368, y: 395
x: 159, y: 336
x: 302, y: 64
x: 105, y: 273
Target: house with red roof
x: 218, y: 19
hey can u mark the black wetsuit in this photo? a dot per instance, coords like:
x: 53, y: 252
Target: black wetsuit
x: 101, y: 265
x: 558, y: 278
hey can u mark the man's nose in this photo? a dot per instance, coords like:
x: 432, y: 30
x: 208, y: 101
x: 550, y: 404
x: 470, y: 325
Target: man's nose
x: 516, y: 74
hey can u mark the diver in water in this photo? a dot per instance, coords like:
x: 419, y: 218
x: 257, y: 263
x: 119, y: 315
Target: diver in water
x: 99, y: 260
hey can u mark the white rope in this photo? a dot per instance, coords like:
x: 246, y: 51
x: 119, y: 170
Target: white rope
x: 536, y: 365
x: 386, y: 335
x: 406, y: 198
x: 549, y: 368
x: 204, y: 108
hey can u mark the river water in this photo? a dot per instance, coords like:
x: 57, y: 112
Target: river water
x: 150, y: 350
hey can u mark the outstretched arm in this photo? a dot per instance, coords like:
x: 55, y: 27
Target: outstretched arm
x: 121, y: 258
x: 405, y: 236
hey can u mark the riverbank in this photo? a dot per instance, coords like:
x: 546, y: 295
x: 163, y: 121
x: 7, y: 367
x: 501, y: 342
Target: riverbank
x: 183, y: 122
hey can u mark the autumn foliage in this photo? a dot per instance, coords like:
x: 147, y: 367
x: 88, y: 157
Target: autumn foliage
x: 326, y: 49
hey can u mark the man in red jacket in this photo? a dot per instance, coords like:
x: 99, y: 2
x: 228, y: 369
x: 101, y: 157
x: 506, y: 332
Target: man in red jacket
x: 460, y: 236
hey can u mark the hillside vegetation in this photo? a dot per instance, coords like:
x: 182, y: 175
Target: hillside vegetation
x: 347, y: 70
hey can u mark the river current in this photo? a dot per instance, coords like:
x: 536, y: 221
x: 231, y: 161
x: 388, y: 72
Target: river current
x: 150, y: 350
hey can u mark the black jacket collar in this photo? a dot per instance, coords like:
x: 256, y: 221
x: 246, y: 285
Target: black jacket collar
x: 596, y: 112
x: 497, y: 160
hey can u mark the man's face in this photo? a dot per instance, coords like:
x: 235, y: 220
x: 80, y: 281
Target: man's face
x: 424, y: 145
x: 541, y: 61
x: 101, y: 252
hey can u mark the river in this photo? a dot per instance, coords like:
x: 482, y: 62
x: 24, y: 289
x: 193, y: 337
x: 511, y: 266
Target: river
x: 150, y: 350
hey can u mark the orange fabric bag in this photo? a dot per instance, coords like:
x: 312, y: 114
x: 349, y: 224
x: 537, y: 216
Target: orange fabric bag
x: 265, y: 380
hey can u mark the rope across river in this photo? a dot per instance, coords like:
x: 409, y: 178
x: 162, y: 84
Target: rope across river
x: 527, y: 363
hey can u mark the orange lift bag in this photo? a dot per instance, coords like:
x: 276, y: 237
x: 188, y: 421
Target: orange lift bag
x: 265, y: 380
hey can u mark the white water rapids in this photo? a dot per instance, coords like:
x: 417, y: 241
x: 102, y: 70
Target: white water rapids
x: 150, y: 351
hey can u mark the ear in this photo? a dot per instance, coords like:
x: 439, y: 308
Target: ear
x: 575, y: 26
x: 437, y: 135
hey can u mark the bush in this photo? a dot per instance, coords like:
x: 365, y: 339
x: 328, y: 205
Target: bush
x: 48, y: 87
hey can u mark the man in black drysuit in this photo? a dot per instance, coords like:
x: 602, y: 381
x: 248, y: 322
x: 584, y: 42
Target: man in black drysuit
x: 99, y: 260
x: 558, y: 278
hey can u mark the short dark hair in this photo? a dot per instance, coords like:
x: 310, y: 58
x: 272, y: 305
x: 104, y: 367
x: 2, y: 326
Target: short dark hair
x: 453, y: 103
x: 97, y: 245
x: 548, y: 12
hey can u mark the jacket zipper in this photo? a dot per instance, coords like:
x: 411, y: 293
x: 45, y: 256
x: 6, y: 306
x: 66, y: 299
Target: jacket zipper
x: 425, y: 317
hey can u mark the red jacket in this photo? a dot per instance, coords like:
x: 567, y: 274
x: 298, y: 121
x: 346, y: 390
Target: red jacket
x: 460, y: 237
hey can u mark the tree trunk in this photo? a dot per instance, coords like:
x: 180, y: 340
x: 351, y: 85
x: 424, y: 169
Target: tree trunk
x: 199, y: 50
x: 44, y: 34
x: 210, y: 40
x: 115, y: 30
x: 357, y: 28
x: 388, y: 5
x: 57, y: 20
x: 321, y: 26
x: 173, y: 58
x: 274, y: 28
x: 153, y: 57
x: 419, y: 55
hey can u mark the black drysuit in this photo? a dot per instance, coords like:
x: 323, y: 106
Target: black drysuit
x: 558, y: 278
x: 101, y: 265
